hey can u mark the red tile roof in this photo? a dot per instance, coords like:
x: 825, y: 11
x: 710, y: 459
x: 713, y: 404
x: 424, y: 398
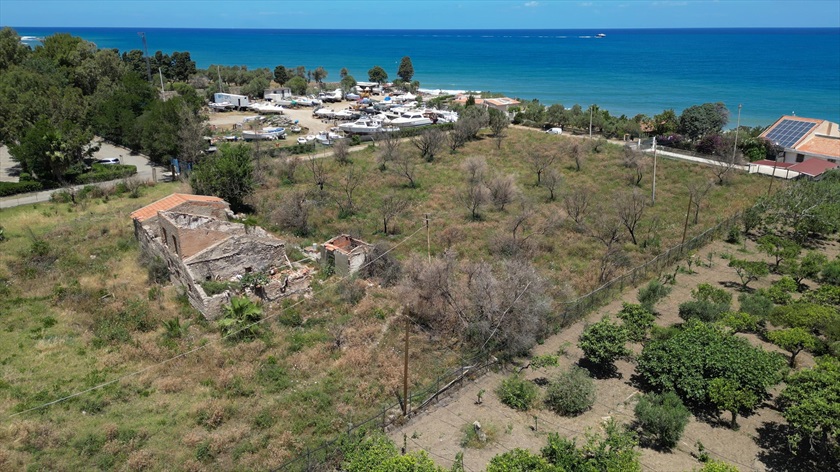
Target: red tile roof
x: 813, y: 167
x: 170, y: 202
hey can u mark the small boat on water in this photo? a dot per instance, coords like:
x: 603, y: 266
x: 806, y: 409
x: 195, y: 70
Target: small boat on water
x: 600, y: 35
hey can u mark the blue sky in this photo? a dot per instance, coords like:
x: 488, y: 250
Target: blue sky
x: 421, y: 14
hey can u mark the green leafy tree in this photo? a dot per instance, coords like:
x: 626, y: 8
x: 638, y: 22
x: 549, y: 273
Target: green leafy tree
x: 12, y: 51
x: 281, y: 75
x: 810, y: 405
x: 406, y: 70
x: 830, y: 273
x: 666, y: 123
x: 603, y: 343
x: 637, y: 321
x: 319, y: 74
x: 297, y: 84
x: 717, y: 466
x: 517, y: 393
x: 377, y: 74
x: 571, y: 393
x: 792, y: 340
x: 708, y: 305
x: 229, y: 175
x: 780, y: 248
x: 690, y: 359
x: 801, y: 314
x: 662, y: 418
x: 729, y: 395
x: 616, y: 450
x: 256, y: 87
x: 699, y: 120
x: 808, y: 267
x: 240, y: 319
x: 749, y: 271
x: 347, y: 83
x: 808, y: 208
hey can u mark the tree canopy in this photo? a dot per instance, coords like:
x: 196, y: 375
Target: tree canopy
x: 699, y: 120
x: 227, y: 175
x: 406, y: 70
x: 377, y: 74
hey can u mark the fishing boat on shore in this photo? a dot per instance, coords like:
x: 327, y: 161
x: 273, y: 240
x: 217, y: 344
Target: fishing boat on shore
x: 366, y: 125
x: 411, y: 119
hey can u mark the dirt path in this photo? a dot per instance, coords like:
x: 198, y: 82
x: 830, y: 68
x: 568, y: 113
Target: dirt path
x: 439, y: 430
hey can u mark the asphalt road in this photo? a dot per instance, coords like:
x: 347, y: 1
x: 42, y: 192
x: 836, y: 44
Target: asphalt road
x: 145, y: 172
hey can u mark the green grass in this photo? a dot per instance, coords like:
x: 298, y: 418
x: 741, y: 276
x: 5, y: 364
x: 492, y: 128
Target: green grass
x: 76, y: 310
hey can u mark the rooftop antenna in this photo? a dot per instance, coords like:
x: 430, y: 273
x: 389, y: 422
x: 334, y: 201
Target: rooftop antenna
x: 146, y: 55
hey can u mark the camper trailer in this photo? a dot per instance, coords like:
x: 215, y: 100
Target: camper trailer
x: 237, y: 101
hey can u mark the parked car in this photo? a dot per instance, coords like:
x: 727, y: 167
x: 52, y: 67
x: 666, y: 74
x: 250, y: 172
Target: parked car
x: 109, y: 161
x: 554, y: 131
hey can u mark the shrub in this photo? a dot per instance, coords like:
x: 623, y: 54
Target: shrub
x: 156, y: 268
x: 756, y: 304
x: 604, y: 342
x: 652, y: 293
x: 350, y: 291
x: 571, y: 393
x: 214, y: 287
x: 740, y: 322
x: 240, y: 319
x: 662, y: 418
x: 517, y: 393
x: 547, y: 360
x: 517, y: 460
x: 14, y: 188
x: 637, y: 321
x: 702, y: 310
x: 104, y: 173
x: 831, y: 273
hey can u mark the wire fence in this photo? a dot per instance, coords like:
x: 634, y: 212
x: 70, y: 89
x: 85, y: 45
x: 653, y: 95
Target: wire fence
x: 327, y: 456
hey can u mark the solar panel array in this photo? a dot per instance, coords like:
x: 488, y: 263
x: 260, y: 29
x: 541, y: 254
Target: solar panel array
x: 788, y: 132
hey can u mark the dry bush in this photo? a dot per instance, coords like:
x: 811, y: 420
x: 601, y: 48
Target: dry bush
x: 141, y: 460
x: 170, y: 384
x: 503, y: 191
x: 475, y: 170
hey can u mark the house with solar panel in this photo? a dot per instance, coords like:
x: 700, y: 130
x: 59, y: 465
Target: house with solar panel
x: 808, y: 147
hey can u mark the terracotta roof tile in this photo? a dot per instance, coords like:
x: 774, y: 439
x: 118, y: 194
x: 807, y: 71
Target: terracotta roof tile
x: 170, y: 202
x: 822, y: 145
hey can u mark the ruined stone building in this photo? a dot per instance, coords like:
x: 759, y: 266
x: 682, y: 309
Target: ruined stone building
x: 345, y: 254
x: 199, y: 242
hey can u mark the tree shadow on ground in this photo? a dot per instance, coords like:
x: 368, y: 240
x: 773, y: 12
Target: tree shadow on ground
x: 776, y: 452
x: 598, y: 371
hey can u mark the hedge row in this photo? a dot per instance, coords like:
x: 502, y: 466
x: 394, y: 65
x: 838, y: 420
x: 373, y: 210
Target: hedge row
x: 103, y: 173
x: 14, y: 188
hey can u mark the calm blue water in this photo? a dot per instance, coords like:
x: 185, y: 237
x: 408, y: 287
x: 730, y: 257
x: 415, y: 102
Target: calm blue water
x: 770, y: 71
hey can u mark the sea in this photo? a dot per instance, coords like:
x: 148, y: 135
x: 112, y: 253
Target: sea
x: 764, y: 72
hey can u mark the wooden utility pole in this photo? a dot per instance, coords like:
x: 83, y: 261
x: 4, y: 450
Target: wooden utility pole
x: 405, y: 369
x: 687, y: 212
x: 428, y: 239
x: 653, y: 192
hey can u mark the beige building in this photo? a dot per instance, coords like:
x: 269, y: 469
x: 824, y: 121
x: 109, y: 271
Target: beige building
x: 197, y: 238
x: 805, y: 138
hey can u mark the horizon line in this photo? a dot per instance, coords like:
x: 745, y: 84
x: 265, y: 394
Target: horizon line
x: 437, y: 29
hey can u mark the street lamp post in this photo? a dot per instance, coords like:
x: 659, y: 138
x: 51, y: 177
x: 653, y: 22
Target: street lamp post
x: 737, y: 128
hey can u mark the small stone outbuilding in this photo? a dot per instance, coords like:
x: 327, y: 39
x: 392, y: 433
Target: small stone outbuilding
x: 345, y: 254
x: 196, y: 237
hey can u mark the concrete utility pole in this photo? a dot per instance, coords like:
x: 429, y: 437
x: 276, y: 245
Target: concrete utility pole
x: 428, y: 239
x: 591, y: 109
x: 653, y: 192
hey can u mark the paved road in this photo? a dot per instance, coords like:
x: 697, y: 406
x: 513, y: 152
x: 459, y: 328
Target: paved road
x: 145, y: 172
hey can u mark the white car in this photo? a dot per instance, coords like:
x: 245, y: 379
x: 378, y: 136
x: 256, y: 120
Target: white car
x: 554, y: 131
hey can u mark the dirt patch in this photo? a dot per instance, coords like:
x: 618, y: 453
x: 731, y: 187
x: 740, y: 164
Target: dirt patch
x: 439, y: 429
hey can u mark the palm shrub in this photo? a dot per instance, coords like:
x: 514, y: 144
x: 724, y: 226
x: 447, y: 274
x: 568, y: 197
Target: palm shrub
x: 662, y: 418
x: 571, y: 393
x: 517, y: 393
x: 240, y: 320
